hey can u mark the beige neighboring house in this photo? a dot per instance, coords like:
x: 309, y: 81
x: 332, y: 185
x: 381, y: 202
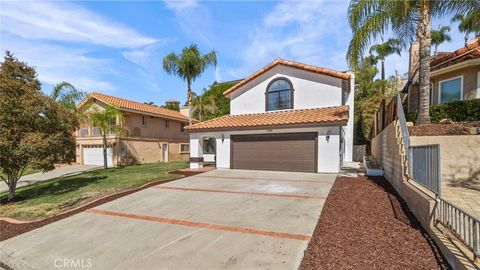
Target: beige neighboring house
x: 454, y: 76
x: 154, y: 134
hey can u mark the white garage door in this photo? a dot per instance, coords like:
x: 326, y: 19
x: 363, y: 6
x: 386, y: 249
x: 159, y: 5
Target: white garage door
x: 93, y: 155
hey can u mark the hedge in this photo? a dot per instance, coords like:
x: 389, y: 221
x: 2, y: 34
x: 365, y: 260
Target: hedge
x: 458, y: 111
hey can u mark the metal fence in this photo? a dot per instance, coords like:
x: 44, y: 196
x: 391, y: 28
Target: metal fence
x: 425, y: 166
x: 464, y: 226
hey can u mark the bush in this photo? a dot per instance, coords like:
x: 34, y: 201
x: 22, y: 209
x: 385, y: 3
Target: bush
x: 458, y: 111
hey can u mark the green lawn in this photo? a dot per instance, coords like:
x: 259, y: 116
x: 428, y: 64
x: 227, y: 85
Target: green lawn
x: 51, y: 197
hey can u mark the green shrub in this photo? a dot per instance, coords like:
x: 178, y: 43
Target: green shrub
x: 458, y: 111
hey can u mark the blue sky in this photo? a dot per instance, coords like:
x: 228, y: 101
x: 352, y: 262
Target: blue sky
x: 116, y: 47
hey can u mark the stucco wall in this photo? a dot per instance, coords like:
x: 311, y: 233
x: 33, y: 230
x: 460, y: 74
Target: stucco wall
x: 328, y: 151
x: 470, y: 77
x: 459, y: 156
x: 386, y: 151
x: 155, y: 128
x: 471, y: 86
x: 311, y: 91
x: 134, y: 150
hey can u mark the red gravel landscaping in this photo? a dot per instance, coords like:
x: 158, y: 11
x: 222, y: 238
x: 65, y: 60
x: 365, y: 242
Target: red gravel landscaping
x: 365, y: 225
x: 443, y: 129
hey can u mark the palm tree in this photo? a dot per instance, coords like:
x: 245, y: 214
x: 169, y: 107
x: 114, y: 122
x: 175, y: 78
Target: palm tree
x: 383, y: 50
x: 439, y: 36
x: 203, y: 104
x: 370, y: 19
x: 467, y: 25
x: 189, y: 65
x: 67, y: 94
x: 108, y: 120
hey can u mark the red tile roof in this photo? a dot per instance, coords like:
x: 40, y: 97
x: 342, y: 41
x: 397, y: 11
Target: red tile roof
x: 291, y: 118
x: 280, y: 61
x: 471, y: 51
x: 121, y: 103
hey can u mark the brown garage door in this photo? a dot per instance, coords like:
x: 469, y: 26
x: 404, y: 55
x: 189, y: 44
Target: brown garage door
x: 276, y: 152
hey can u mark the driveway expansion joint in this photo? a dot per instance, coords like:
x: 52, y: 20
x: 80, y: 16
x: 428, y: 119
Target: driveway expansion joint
x: 197, y: 224
x: 298, y: 196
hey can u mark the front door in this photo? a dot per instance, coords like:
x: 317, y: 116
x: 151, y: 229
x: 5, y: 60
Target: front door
x: 165, y: 152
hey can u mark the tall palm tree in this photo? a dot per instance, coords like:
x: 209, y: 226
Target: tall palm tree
x: 467, y: 25
x: 439, y: 36
x: 67, y: 94
x: 383, y: 50
x: 108, y: 120
x: 203, y: 104
x: 189, y: 65
x: 370, y: 19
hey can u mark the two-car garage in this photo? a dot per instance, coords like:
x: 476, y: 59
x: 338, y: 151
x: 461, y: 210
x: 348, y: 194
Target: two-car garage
x: 277, y: 152
x: 93, y: 155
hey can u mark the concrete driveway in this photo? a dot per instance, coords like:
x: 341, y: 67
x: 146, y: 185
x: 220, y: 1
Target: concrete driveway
x: 223, y: 219
x: 63, y: 170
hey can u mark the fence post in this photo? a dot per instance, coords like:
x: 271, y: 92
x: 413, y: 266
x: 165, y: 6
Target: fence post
x: 476, y: 242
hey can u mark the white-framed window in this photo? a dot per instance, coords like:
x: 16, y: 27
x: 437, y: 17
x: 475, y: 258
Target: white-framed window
x: 478, y: 84
x: 450, y: 90
x: 184, y: 148
x: 209, y: 145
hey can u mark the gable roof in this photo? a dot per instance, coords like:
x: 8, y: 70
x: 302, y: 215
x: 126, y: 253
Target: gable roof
x: 471, y: 51
x: 279, y: 119
x: 297, y: 65
x: 129, y: 105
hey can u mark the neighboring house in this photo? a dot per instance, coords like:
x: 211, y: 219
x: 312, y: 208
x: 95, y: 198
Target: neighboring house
x: 154, y: 134
x: 454, y: 76
x: 287, y: 116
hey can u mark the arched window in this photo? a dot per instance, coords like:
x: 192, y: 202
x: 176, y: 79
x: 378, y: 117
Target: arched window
x: 279, y: 95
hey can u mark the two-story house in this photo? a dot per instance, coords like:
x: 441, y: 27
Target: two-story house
x: 453, y: 76
x: 287, y: 116
x: 153, y: 134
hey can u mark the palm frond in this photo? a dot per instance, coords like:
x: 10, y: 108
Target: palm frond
x: 170, y: 64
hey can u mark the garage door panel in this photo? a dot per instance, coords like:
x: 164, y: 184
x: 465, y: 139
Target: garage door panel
x: 280, y: 152
x: 93, y: 155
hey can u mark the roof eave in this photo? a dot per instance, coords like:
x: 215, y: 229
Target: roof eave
x: 286, y: 126
x: 229, y: 91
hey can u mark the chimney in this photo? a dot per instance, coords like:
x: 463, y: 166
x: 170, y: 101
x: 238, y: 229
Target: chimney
x: 184, y: 110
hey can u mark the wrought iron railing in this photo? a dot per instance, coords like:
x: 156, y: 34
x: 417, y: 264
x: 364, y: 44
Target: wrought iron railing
x: 463, y: 225
x: 425, y: 166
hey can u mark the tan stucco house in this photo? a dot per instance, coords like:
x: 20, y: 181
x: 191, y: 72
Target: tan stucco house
x: 454, y: 76
x: 154, y: 134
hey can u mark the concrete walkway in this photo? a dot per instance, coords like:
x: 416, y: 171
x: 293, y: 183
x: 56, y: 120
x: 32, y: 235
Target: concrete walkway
x: 63, y: 170
x: 223, y: 219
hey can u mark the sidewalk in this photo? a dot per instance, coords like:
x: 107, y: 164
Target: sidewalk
x: 62, y: 170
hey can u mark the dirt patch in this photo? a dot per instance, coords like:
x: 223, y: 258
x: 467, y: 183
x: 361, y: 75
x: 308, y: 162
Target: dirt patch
x: 11, y: 229
x: 443, y: 129
x: 366, y: 225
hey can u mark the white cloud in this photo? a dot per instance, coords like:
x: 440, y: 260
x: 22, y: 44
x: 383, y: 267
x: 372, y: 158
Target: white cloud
x: 314, y: 32
x: 178, y: 5
x: 67, y: 22
x: 60, y: 39
x: 193, y: 18
x: 57, y: 63
x: 149, y: 62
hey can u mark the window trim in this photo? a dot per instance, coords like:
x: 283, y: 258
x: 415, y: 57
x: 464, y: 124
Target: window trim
x: 292, y: 91
x: 478, y: 84
x: 446, y: 80
x: 183, y: 152
x: 214, y: 146
x: 167, y: 123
